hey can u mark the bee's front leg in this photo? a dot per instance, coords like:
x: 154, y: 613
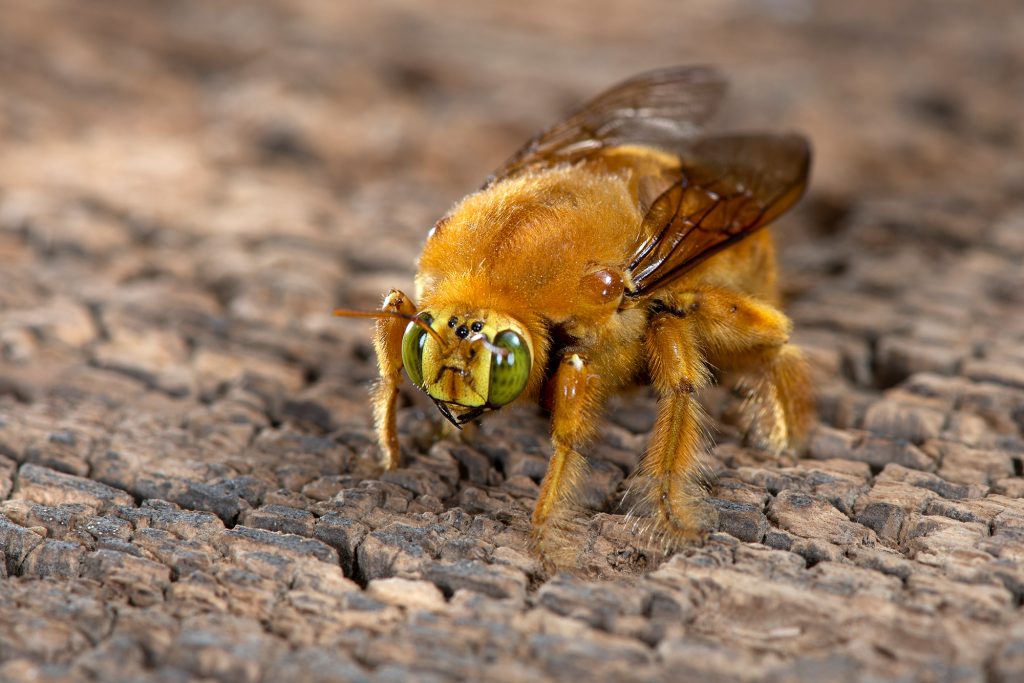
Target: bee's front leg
x: 387, y: 341
x: 577, y: 399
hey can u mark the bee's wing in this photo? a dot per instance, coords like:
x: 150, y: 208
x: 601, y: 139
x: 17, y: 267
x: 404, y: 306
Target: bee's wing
x: 725, y: 188
x: 728, y: 187
x: 661, y: 108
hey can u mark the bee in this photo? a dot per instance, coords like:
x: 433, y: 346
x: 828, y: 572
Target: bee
x: 623, y: 245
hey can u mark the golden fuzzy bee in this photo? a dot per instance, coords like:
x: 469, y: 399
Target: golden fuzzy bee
x: 620, y: 246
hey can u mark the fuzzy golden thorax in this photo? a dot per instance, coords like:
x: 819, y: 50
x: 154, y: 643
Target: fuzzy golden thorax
x: 523, y: 245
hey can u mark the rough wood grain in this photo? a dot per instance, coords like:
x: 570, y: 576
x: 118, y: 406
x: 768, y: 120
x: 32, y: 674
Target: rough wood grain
x: 187, y: 489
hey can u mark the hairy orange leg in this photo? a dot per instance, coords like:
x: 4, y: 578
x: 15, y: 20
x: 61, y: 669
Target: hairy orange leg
x: 677, y: 372
x: 387, y: 341
x: 789, y: 376
x: 779, y: 406
x: 741, y: 333
x: 577, y: 400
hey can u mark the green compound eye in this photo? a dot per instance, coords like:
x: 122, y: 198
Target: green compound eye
x: 412, y: 349
x: 510, y: 371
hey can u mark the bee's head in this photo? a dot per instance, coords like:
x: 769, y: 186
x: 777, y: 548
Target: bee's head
x: 477, y: 361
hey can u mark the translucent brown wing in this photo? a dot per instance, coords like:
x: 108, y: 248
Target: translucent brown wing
x: 728, y: 187
x: 660, y: 108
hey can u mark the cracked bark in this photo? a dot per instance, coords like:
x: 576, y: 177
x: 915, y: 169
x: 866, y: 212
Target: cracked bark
x: 187, y: 487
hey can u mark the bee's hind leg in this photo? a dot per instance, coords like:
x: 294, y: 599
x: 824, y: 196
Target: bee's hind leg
x: 751, y: 337
x: 387, y: 341
x: 778, y: 405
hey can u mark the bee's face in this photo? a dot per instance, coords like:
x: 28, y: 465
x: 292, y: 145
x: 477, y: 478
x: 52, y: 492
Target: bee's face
x: 479, y: 361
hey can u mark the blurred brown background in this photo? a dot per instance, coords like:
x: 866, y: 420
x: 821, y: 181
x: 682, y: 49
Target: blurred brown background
x: 188, y: 188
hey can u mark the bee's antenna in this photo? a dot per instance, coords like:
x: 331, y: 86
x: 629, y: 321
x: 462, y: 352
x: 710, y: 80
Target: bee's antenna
x: 345, y: 313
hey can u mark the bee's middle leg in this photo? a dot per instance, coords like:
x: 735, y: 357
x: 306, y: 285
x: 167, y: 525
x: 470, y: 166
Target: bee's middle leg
x: 578, y: 397
x: 671, y: 463
x: 387, y: 342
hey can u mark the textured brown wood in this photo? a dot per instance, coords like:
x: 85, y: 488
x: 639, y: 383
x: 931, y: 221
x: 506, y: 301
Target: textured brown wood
x: 187, y: 489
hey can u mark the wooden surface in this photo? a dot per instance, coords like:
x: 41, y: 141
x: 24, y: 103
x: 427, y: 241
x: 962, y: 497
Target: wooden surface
x: 188, y: 188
